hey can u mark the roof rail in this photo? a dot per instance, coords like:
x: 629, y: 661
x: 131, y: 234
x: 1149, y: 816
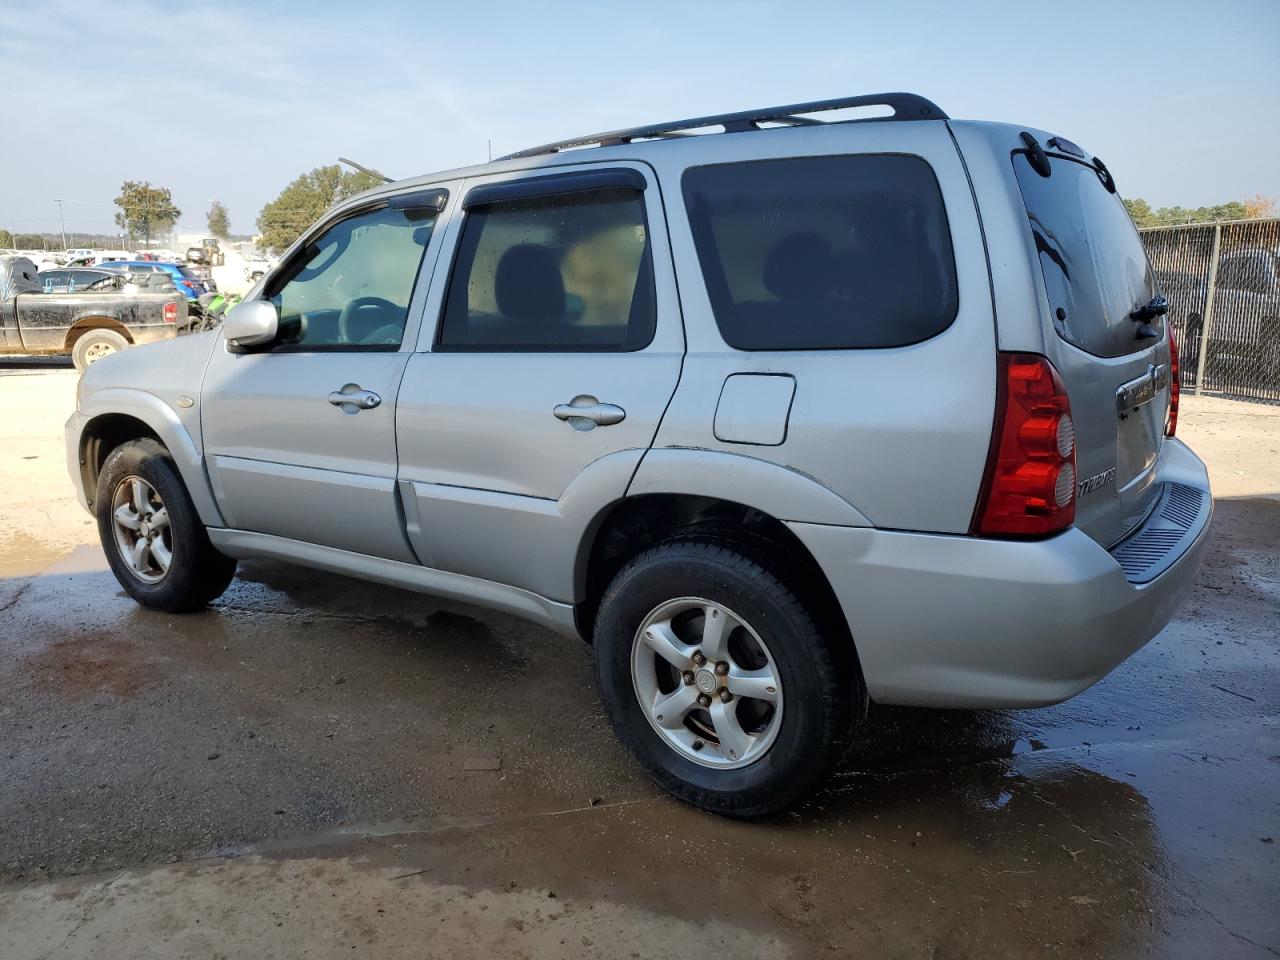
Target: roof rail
x: 906, y: 106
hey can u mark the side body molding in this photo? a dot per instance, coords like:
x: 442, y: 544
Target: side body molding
x: 171, y: 430
x: 782, y: 492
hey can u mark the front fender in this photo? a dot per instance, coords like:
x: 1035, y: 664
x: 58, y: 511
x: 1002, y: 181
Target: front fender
x: 164, y: 422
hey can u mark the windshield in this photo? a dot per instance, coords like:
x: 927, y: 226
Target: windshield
x: 1095, y: 268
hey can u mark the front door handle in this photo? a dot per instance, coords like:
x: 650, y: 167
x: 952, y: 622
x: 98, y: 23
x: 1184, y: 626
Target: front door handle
x: 352, y: 398
x: 585, y: 412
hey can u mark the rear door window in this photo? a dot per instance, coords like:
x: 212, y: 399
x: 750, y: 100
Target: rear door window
x: 562, y: 273
x: 822, y: 253
x: 1095, y: 268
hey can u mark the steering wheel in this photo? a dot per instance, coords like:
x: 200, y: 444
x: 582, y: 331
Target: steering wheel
x: 351, y: 309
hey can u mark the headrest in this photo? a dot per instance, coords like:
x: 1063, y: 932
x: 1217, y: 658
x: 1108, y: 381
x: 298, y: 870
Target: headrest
x: 528, y: 284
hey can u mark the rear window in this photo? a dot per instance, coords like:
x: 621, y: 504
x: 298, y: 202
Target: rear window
x: 188, y: 273
x: 1095, y: 268
x: 823, y: 253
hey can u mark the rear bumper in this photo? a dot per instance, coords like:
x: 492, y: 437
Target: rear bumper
x: 953, y: 621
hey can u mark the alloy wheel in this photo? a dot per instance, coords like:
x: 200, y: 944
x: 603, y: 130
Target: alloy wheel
x: 143, y: 534
x: 707, y: 683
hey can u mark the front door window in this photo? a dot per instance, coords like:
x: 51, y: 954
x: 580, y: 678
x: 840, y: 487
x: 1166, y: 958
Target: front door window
x: 350, y: 287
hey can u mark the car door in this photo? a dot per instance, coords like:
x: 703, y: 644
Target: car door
x: 552, y: 346
x: 299, y: 435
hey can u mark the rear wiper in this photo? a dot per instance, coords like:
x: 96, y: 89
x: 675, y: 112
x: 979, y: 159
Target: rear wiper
x: 1157, y: 307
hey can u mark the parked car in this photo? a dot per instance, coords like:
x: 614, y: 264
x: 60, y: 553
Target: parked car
x: 256, y: 267
x: 1244, y: 343
x: 87, y: 325
x: 780, y: 420
x: 183, y: 277
x: 87, y: 280
x: 71, y: 279
x: 97, y: 258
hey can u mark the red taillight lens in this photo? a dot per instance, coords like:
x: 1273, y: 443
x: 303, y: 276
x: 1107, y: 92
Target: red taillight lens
x: 170, y: 313
x: 1030, y: 485
x: 1175, y: 383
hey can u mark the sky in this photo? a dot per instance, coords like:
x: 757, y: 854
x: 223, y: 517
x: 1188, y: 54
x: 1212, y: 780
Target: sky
x: 231, y: 100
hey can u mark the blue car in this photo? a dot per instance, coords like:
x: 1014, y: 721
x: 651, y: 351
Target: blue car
x: 183, y: 278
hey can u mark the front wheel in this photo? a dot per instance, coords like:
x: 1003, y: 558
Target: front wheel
x: 716, y: 677
x: 155, y: 543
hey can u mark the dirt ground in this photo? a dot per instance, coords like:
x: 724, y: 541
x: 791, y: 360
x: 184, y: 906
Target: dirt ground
x: 320, y: 767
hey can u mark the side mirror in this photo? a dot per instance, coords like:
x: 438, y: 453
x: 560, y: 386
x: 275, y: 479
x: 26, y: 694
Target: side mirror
x: 251, y: 323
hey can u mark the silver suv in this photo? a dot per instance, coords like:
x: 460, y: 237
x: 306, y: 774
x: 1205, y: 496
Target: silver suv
x: 781, y: 419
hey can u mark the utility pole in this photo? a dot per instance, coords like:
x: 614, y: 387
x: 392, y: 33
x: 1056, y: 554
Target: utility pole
x: 63, y: 221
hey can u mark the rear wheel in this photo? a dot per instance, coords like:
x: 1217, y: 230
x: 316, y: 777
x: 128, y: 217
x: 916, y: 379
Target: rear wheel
x: 155, y: 543
x: 92, y: 346
x: 717, y: 679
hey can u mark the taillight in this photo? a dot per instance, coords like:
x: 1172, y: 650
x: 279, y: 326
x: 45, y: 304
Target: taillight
x: 1175, y: 383
x: 1030, y: 485
x: 170, y: 313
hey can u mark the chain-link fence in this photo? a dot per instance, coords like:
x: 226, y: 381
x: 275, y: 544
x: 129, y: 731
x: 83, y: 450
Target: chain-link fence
x: 1223, y: 285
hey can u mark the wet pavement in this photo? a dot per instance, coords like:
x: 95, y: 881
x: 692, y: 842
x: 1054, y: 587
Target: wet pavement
x: 318, y: 766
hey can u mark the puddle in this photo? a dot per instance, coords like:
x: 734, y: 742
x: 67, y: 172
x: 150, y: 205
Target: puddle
x: 22, y: 555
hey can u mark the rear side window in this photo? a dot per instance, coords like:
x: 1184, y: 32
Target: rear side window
x: 570, y: 272
x: 823, y: 253
x: 1095, y: 268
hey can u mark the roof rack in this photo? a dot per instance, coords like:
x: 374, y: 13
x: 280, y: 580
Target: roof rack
x: 906, y: 106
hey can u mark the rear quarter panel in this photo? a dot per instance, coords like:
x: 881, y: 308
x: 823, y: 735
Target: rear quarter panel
x: 901, y: 434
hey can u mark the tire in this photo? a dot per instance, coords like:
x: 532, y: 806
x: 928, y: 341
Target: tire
x: 820, y: 693
x: 194, y: 572
x: 94, y: 345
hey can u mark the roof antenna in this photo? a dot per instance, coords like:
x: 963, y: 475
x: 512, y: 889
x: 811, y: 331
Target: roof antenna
x: 363, y: 169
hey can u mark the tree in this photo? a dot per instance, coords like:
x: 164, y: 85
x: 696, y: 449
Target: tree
x: 1256, y: 208
x: 1144, y: 216
x: 219, y: 220
x: 6, y: 240
x: 1140, y: 212
x: 144, y: 208
x: 304, y: 201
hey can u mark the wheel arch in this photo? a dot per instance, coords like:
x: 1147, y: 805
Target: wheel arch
x: 116, y: 416
x: 628, y: 527
x: 83, y: 325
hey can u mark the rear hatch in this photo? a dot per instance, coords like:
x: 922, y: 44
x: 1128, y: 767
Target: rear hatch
x: 1114, y: 363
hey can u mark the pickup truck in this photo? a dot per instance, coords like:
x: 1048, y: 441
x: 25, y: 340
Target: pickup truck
x: 89, y: 325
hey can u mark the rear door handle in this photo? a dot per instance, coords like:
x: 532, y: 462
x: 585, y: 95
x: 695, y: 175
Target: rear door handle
x: 585, y: 412
x: 352, y: 398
